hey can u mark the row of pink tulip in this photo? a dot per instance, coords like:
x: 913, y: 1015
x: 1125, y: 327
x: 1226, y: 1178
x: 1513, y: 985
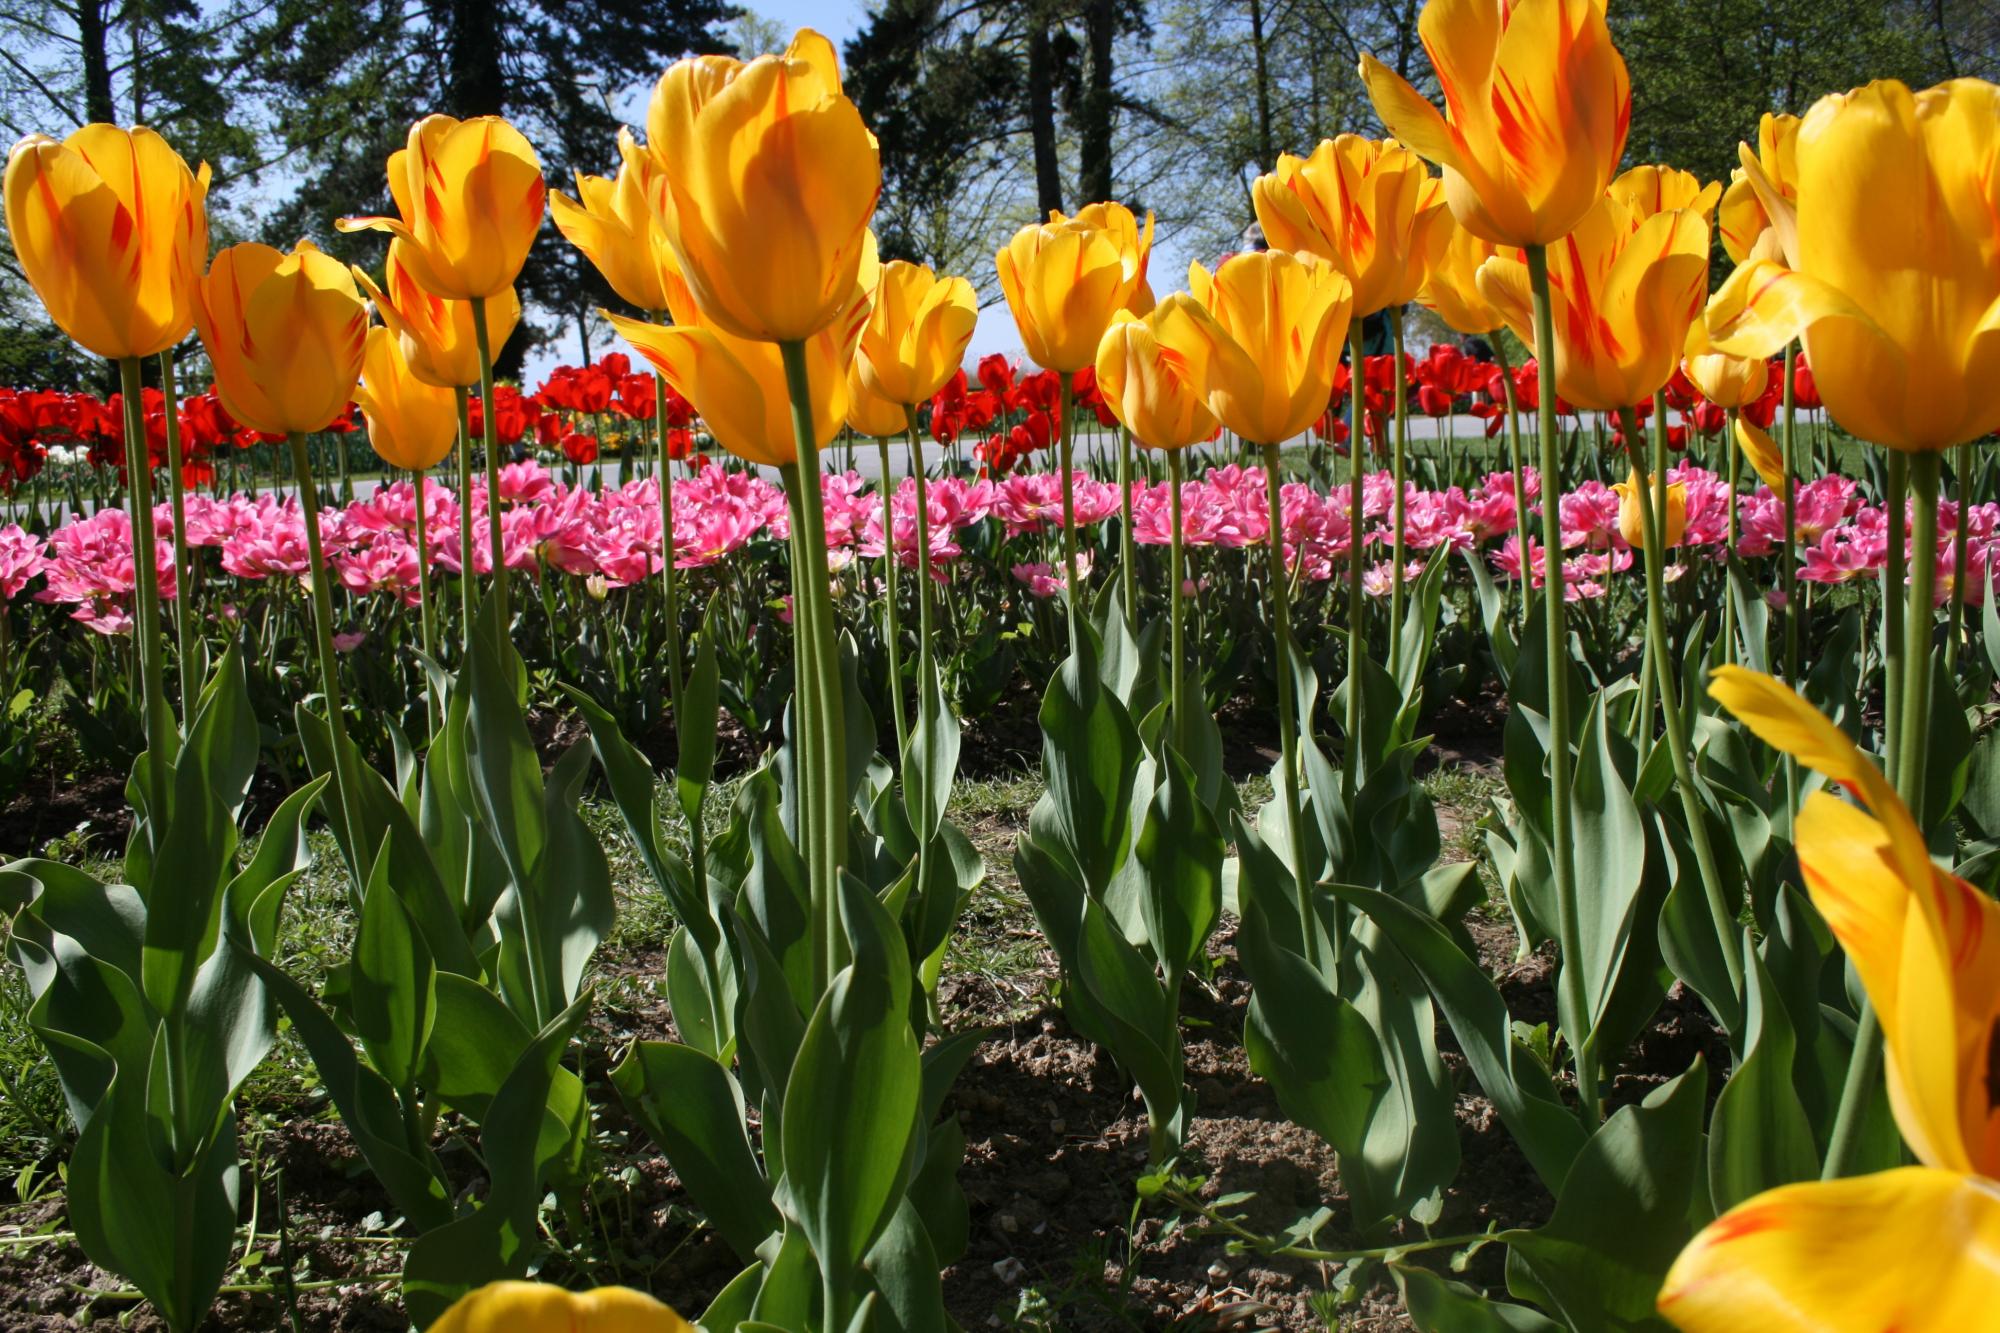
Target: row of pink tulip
x: 614, y: 535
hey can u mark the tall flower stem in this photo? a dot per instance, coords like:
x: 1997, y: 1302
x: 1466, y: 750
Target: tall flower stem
x: 1357, y: 608
x: 926, y: 635
x: 1520, y: 468
x: 1289, y: 778
x: 1177, y: 617
x: 491, y: 442
x: 1789, y: 568
x: 1893, y: 589
x: 1961, y: 465
x: 1735, y: 471
x: 818, y: 719
x: 184, y: 585
x: 1127, y: 547
x: 1653, y: 513
x: 1652, y: 504
x: 1908, y: 768
x: 892, y: 635
x: 468, y: 595
x: 1069, y: 508
x: 427, y: 615
x: 1399, y: 463
x: 667, y: 549
x: 1569, y: 933
x: 318, y: 575
x: 147, y: 645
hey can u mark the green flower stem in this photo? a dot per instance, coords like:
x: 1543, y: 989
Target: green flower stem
x: 697, y: 835
x: 1127, y: 548
x: 184, y: 583
x: 1909, y: 769
x: 427, y: 615
x: 1961, y: 465
x: 1177, y: 612
x: 1789, y: 570
x: 1894, y: 573
x: 150, y: 686
x: 1654, y: 508
x: 490, y: 439
x: 1357, y: 606
x: 926, y: 632
x: 1289, y: 776
x: 1069, y: 510
x: 892, y: 636
x: 1677, y: 740
x: 1735, y: 470
x: 467, y: 593
x: 1569, y: 933
x: 1399, y: 466
x: 318, y: 575
x: 1520, y: 468
x: 819, y: 723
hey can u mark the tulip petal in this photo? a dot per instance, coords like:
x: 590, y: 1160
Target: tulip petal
x: 1763, y: 453
x: 1503, y: 282
x: 1913, y: 1249
x: 1765, y: 305
x: 1408, y: 115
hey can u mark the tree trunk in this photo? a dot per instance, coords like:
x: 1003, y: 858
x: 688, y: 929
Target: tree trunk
x: 1095, y: 106
x: 475, y: 85
x: 1042, y: 115
x: 1266, y: 150
x: 98, y: 107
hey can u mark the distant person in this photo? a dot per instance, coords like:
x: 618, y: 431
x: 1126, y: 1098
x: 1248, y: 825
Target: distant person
x: 1477, y: 348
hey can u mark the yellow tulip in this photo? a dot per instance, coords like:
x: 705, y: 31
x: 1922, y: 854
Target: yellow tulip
x: 1917, y: 1248
x: 1623, y: 292
x: 917, y: 333
x: 612, y: 222
x: 1742, y: 218
x: 765, y: 182
x: 533, y: 1307
x: 1288, y: 313
x: 1892, y: 268
x: 285, y: 334
x: 1647, y: 190
x: 1537, y: 105
x: 111, y: 229
x: 738, y: 384
x: 1725, y: 380
x: 1156, y: 371
x: 1369, y: 207
x: 471, y: 197
x: 411, y: 424
x: 437, y: 335
x: 1452, y: 290
x: 1064, y: 279
x: 1132, y: 240
x: 1631, y: 520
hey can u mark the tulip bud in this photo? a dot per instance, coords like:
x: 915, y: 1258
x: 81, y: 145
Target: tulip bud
x: 1064, y: 280
x: 917, y: 332
x: 1288, y: 314
x: 285, y: 333
x: 111, y: 229
x: 534, y: 1307
x: 1368, y: 207
x: 1155, y: 373
x: 412, y: 425
x: 439, y: 340
x: 1632, y: 493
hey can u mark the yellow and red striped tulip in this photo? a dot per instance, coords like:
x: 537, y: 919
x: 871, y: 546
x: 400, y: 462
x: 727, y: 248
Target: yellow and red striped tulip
x: 111, y: 229
x: 1537, y: 105
x: 1741, y: 218
x: 1064, y: 279
x: 534, y: 1307
x: 1917, y: 1248
x: 1369, y: 207
x: 471, y: 196
x: 1156, y: 371
x: 438, y: 337
x: 1132, y: 239
x: 1725, y: 380
x: 1623, y: 292
x: 1289, y: 314
x: 1649, y: 189
x: 285, y: 333
x: 917, y: 332
x: 411, y: 424
x: 1892, y: 269
x: 766, y: 179
x: 611, y: 220
x: 738, y: 384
